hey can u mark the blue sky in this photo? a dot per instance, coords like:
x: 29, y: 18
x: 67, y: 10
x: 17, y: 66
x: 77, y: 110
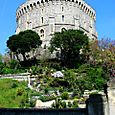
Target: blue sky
x: 105, y: 23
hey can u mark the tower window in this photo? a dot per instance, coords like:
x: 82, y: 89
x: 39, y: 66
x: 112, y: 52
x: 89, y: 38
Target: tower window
x: 42, y: 1
x: 38, y: 2
x: 34, y: 4
x: 41, y: 33
x: 79, y: 3
x: 63, y: 29
x: 62, y: 8
x: 30, y: 5
x: 42, y: 20
x: 62, y: 18
x: 42, y: 10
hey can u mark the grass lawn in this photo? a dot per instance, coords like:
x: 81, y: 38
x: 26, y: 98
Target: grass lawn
x: 12, y: 93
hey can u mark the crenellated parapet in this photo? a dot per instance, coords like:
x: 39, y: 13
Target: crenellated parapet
x: 33, y: 4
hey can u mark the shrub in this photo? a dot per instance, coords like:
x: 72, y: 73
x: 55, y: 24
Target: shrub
x: 69, y: 104
x: 32, y: 103
x: 65, y: 95
x: 59, y: 104
x: 75, y: 104
x: 20, y: 91
x: 14, y: 85
x: 46, y: 90
x: 47, y: 98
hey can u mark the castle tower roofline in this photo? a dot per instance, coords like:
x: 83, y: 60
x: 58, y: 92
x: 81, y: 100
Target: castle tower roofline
x: 32, y: 3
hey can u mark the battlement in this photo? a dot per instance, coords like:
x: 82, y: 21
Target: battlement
x: 32, y: 4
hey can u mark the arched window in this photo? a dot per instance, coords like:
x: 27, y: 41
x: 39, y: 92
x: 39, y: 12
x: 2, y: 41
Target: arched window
x: 79, y: 3
x: 22, y: 11
x: 31, y: 5
x: 27, y: 7
x: 42, y: 1
x: 63, y: 29
x: 38, y: 2
x: 42, y: 33
x: 34, y: 4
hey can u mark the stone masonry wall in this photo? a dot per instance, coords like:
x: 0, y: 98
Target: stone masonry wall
x: 49, y: 16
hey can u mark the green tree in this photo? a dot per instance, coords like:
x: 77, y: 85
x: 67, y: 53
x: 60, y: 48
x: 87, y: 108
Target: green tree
x: 23, y: 43
x: 103, y: 54
x: 91, y: 78
x: 72, y: 45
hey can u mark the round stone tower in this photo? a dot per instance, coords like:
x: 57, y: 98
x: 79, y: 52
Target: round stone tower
x: 49, y: 16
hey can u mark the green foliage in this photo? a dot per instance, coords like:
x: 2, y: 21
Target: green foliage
x: 69, y: 77
x: 11, y: 67
x: 46, y: 90
x: 47, y: 98
x: 7, y: 70
x: 70, y: 43
x: 69, y: 104
x: 103, y: 54
x: 91, y: 78
x: 75, y: 104
x: 59, y: 104
x: 65, y: 96
x: 24, y: 42
x: 34, y: 70
x: 14, y: 64
x: 20, y: 91
x: 57, y: 82
x: 8, y: 94
x: 1, y: 67
x: 14, y: 84
x: 32, y: 103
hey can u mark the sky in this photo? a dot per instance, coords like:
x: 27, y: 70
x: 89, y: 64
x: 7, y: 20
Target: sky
x: 105, y: 21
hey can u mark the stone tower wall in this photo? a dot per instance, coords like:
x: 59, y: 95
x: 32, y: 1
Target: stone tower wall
x: 49, y: 16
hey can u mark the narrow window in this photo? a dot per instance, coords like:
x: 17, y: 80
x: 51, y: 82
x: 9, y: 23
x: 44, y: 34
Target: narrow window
x: 62, y: 8
x: 62, y: 18
x: 42, y: 1
x: 42, y: 10
x: 42, y: 20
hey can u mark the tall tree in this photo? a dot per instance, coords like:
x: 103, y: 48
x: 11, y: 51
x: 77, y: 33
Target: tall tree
x: 24, y: 42
x: 72, y: 45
